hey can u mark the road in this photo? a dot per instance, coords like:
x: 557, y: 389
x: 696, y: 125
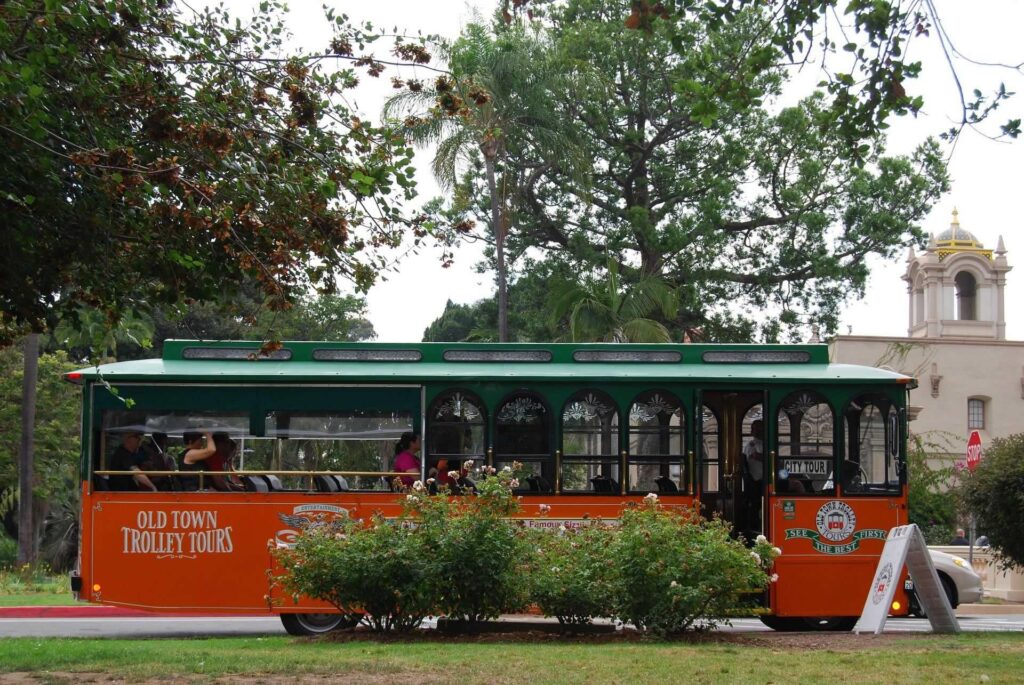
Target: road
x: 177, y: 627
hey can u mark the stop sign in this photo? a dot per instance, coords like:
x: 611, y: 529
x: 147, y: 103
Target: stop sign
x: 973, y: 450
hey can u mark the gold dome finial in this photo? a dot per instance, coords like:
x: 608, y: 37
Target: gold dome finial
x: 955, y: 224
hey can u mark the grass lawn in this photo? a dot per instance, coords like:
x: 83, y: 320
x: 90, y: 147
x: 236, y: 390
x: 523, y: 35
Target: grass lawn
x: 747, y: 658
x: 33, y: 587
x: 37, y: 599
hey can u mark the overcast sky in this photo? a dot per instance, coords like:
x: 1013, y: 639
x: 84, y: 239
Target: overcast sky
x: 986, y: 176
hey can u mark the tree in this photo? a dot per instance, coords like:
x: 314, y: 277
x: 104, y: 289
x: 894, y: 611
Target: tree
x: 497, y: 97
x: 529, y: 318
x: 874, y: 80
x: 994, y: 493
x: 26, y: 476
x: 56, y: 449
x: 161, y: 155
x: 602, y: 312
x: 697, y: 182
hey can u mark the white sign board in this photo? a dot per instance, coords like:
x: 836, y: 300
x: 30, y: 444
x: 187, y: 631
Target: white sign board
x: 905, y: 545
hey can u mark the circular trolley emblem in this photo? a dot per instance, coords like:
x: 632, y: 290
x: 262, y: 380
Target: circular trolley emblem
x: 882, y: 581
x: 836, y: 521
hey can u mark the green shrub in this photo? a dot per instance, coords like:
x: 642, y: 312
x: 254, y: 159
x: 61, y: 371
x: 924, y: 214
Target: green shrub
x: 8, y: 552
x: 673, y: 569
x: 477, y: 551
x: 933, y: 506
x: 571, y: 573
x: 995, y: 495
x: 383, y: 569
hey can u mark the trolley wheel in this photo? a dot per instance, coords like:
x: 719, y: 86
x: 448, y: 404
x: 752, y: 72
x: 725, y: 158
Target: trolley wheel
x: 318, y: 624
x: 792, y: 624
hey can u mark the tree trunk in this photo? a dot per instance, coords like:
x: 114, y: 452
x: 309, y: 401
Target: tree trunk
x: 499, y: 249
x: 27, y: 544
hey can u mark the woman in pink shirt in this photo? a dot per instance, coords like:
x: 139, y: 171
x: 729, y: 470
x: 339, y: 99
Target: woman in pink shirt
x: 406, y: 460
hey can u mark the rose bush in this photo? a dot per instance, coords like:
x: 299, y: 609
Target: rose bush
x: 571, y: 574
x: 665, y: 570
x: 383, y: 569
x: 675, y: 570
x: 477, y: 551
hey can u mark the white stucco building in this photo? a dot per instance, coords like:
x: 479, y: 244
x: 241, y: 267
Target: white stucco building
x: 969, y: 376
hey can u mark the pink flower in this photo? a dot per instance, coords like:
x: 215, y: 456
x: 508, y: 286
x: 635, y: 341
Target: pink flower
x: 544, y: 508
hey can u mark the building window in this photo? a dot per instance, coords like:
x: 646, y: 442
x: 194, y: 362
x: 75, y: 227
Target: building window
x: 975, y: 414
x: 966, y: 289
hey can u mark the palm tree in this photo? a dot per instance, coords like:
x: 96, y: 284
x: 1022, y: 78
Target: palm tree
x: 499, y: 93
x: 603, y: 312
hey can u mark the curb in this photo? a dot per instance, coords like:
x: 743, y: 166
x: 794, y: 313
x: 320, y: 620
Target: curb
x: 101, y: 611
x: 989, y: 609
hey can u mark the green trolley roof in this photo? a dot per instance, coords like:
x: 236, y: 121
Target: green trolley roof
x: 327, y: 362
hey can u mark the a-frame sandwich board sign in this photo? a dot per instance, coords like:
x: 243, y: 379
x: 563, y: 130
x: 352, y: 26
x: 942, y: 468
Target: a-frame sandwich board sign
x: 906, y: 545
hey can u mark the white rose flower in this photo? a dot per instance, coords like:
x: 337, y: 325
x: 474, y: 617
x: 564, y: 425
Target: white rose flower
x: 777, y: 551
x: 774, y: 578
x: 757, y: 557
x: 760, y: 539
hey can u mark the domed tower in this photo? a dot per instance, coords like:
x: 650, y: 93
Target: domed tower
x: 956, y: 287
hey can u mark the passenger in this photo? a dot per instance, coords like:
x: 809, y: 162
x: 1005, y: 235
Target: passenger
x: 406, y: 460
x: 198, y: 448
x: 158, y: 459
x: 794, y: 485
x: 753, y: 473
x: 130, y: 457
x: 222, y: 460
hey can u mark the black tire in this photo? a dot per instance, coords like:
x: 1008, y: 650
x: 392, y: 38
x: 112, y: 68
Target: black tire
x: 792, y: 624
x: 318, y: 624
x: 836, y: 624
x: 784, y: 624
x: 948, y: 586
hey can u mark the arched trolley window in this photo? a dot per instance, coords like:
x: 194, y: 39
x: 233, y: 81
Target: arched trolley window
x: 657, y: 444
x: 522, y: 432
x: 590, y: 444
x: 456, y: 432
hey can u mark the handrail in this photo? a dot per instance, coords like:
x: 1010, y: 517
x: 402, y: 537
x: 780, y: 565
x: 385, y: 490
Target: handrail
x: 252, y: 473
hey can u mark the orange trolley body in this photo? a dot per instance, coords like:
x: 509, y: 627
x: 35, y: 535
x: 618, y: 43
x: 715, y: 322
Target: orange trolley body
x: 210, y: 552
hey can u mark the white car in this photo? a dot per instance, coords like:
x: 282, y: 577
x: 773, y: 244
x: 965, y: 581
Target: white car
x: 961, y: 582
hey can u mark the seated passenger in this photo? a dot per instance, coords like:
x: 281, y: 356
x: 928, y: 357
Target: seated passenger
x: 222, y: 460
x: 198, y: 448
x: 406, y: 460
x: 794, y: 485
x: 158, y: 459
x: 130, y: 457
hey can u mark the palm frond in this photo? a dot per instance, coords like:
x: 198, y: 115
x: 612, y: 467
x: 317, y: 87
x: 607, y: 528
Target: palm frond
x: 591, y: 320
x: 644, y: 331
